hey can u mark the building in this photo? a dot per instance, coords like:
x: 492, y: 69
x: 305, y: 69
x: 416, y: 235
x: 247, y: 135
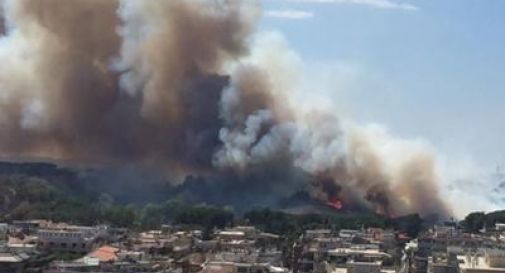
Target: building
x: 361, y: 253
x: 244, y: 239
x: 363, y: 267
x: 493, y: 261
x: 105, y: 254
x: 349, y: 233
x: 233, y: 267
x: 22, y: 243
x: 500, y: 227
x: 160, y: 243
x: 442, y: 265
x: 28, y: 226
x: 12, y: 263
x: 317, y: 233
x: 68, y: 238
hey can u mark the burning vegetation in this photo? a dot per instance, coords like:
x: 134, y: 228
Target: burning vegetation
x: 188, y: 87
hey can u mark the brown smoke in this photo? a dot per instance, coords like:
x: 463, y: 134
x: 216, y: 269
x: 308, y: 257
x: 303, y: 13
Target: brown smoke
x: 73, y: 107
x: 184, y: 85
x: 419, y: 186
x: 69, y: 89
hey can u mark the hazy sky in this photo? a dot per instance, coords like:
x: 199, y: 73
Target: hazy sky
x: 428, y: 68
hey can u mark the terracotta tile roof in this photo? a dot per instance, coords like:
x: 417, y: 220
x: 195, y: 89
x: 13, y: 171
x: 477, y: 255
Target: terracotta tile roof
x: 105, y: 254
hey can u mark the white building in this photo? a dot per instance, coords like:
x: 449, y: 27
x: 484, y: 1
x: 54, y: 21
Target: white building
x: 63, y: 237
x: 493, y: 261
x: 364, y: 267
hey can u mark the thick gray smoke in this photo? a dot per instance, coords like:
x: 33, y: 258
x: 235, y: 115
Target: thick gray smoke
x: 187, y: 86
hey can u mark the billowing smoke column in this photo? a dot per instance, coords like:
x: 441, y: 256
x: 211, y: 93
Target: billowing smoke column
x: 187, y: 86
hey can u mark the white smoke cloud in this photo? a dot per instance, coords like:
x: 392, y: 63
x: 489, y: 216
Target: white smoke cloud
x: 363, y: 159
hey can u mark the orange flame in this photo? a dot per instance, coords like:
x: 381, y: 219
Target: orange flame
x: 335, y: 203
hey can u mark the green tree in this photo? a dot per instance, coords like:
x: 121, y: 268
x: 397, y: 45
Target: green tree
x: 121, y: 216
x: 152, y: 216
x: 474, y: 222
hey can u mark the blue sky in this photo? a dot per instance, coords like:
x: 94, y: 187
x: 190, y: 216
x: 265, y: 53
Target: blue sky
x: 432, y: 69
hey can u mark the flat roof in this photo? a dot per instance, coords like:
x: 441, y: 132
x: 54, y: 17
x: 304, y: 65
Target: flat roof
x: 10, y: 258
x: 481, y: 265
x: 238, y: 233
x: 350, y: 251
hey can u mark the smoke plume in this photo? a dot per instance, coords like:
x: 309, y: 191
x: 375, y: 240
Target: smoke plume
x: 189, y: 86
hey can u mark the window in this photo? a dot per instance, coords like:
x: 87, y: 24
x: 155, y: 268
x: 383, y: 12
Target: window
x: 242, y: 270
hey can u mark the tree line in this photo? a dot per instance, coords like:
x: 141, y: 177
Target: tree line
x: 25, y: 197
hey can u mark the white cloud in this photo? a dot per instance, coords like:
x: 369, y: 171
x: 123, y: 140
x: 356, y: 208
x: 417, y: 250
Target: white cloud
x: 289, y: 14
x: 383, y: 4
